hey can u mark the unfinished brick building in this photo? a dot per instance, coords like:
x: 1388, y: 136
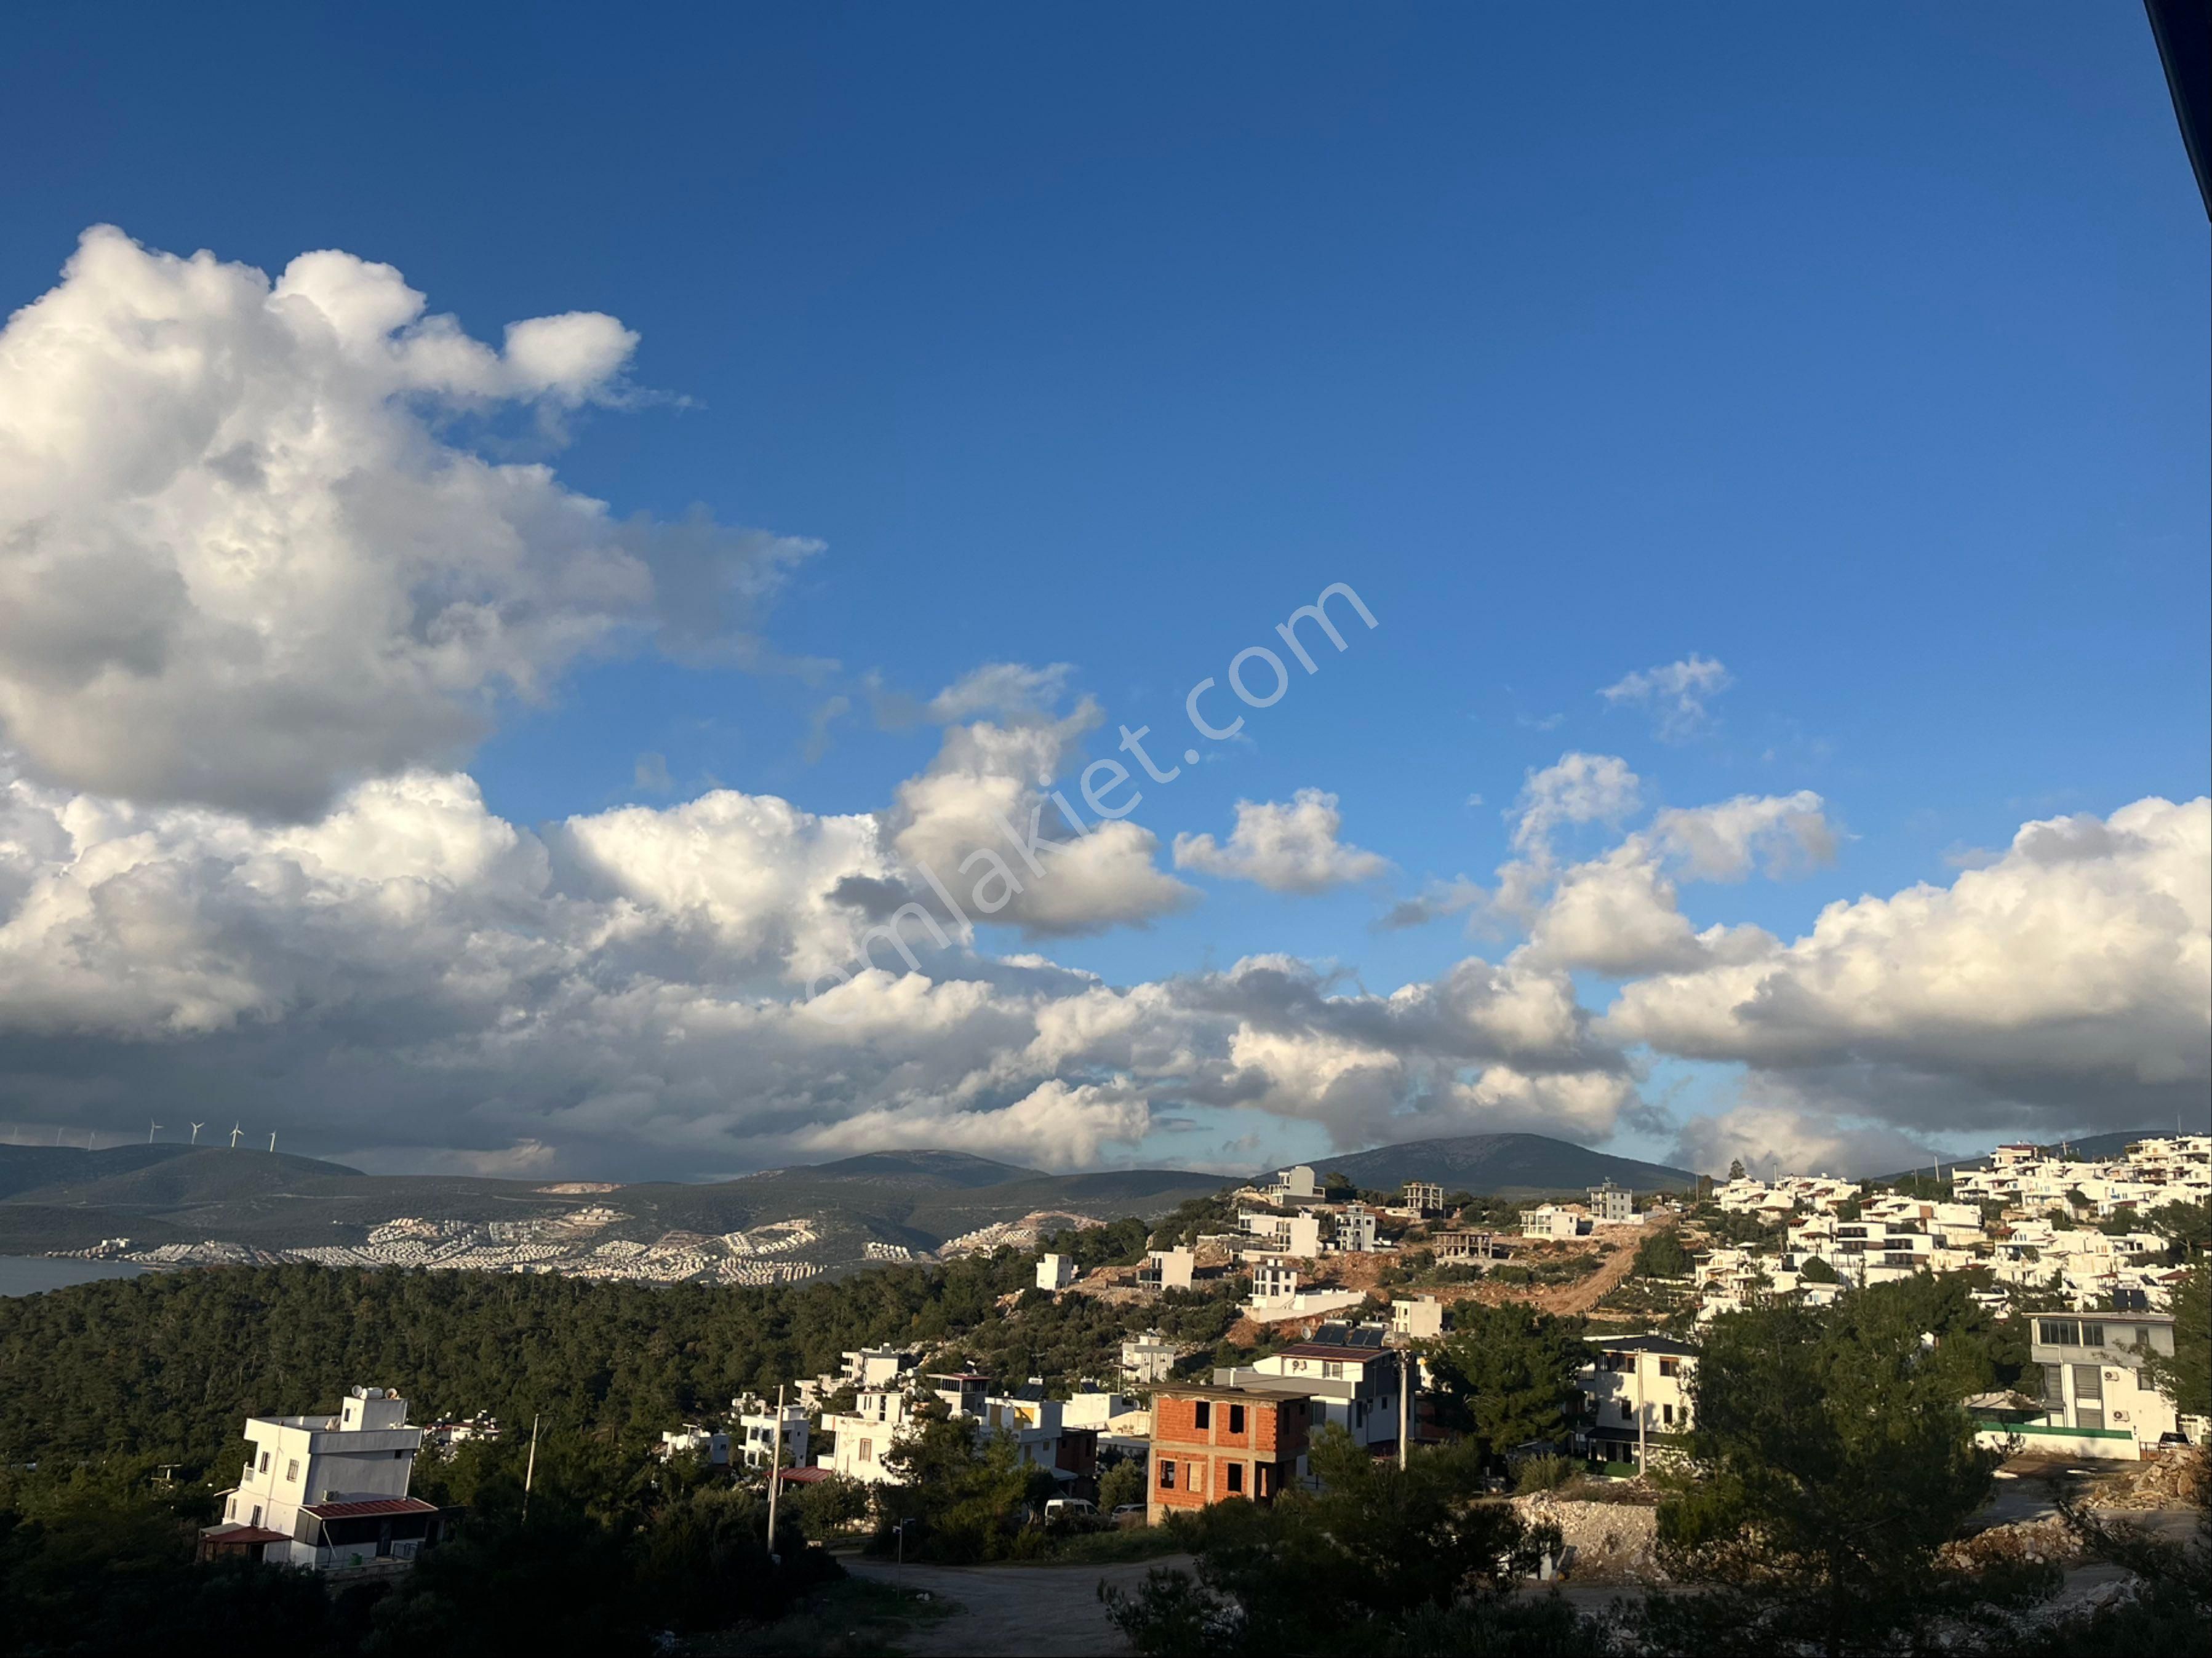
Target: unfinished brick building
x: 1209, y: 1444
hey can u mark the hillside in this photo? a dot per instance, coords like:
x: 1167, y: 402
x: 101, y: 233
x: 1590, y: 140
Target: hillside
x: 212, y: 1202
x: 1502, y: 1165
x: 179, y: 1204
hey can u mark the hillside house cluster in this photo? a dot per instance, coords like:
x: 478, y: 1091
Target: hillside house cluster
x: 2045, y: 1223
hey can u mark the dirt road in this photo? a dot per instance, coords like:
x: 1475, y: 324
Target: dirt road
x: 1051, y: 1611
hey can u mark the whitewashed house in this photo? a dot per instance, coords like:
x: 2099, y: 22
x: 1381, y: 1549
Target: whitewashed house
x: 327, y: 1492
x: 1638, y: 1389
x: 863, y: 1438
x: 1285, y: 1234
x: 1167, y: 1269
x: 710, y: 1444
x: 1420, y: 1319
x: 756, y: 1437
x: 1147, y: 1359
x: 1350, y: 1377
x: 1553, y: 1220
x: 1055, y: 1271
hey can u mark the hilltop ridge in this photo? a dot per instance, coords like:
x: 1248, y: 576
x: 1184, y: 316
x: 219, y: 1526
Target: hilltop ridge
x: 182, y: 1204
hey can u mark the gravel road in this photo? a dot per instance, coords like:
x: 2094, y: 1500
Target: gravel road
x: 1015, y: 1611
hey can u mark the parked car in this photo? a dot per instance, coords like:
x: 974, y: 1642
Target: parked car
x: 1072, y: 1506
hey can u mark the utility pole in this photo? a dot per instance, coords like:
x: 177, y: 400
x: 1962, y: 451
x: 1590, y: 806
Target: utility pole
x: 530, y: 1471
x: 775, y: 1472
x: 1638, y: 1360
x: 1408, y: 1368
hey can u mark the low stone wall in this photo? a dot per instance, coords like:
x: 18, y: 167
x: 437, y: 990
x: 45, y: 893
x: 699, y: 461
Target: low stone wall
x: 1612, y: 1542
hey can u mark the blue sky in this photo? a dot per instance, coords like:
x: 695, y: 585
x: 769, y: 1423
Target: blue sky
x: 1861, y: 351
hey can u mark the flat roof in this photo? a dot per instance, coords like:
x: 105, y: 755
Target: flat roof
x: 1673, y: 1346
x: 369, y: 1506
x: 1240, y: 1396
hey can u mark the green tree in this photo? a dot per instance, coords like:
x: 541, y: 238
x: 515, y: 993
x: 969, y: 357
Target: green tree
x: 1122, y: 1483
x: 2187, y: 1377
x: 2186, y: 1227
x: 1662, y: 1255
x: 962, y: 1501
x: 1343, y: 1568
x: 1735, y: 1168
x: 1814, y: 1270
x: 1834, y: 1458
x: 1509, y: 1374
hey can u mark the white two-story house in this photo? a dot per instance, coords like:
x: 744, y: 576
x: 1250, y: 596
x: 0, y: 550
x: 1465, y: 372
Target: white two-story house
x: 327, y: 1492
x: 1638, y: 1393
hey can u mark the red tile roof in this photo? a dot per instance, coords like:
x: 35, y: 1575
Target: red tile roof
x: 373, y: 1506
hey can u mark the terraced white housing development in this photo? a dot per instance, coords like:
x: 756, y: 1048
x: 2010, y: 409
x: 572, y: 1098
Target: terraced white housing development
x: 2047, y: 1224
x: 558, y: 1243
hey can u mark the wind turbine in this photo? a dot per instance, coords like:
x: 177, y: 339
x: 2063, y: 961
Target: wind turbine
x: 196, y: 1131
x: 272, y: 1139
x: 152, y: 1129
x: 236, y: 1134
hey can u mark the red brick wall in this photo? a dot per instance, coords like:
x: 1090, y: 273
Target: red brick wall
x: 1272, y: 1428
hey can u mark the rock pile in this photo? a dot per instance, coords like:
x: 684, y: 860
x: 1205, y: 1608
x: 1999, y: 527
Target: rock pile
x: 2167, y: 1480
x: 1612, y: 1542
x: 2046, y: 1541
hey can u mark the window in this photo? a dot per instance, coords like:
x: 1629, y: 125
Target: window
x: 1237, y: 1411
x: 1167, y: 1476
x: 1666, y: 1414
x: 867, y: 1450
x: 2059, y: 1333
x: 1627, y: 1411
x: 1670, y: 1367
x: 1236, y: 1477
x: 256, y: 1515
x: 1332, y: 1370
x: 2093, y: 1335
x: 265, y: 1462
x: 1201, y: 1415
x: 292, y: 1470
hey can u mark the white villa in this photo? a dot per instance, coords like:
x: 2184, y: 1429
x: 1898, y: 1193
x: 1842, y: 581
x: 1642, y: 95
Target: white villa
x: 327, y: 1492
x: 756, y: 1437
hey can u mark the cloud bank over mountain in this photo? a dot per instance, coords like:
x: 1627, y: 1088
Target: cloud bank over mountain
x: 261, y: 592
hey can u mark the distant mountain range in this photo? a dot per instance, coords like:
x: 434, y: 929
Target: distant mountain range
x: 833, y: 1216
x: 1502, y: 1165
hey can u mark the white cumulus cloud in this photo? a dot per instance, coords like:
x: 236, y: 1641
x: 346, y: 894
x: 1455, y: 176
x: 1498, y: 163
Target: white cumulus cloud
x: 2070, y: 979
x: 1285, y: 848
x: 244, y: 561
x: 1675, y: 692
